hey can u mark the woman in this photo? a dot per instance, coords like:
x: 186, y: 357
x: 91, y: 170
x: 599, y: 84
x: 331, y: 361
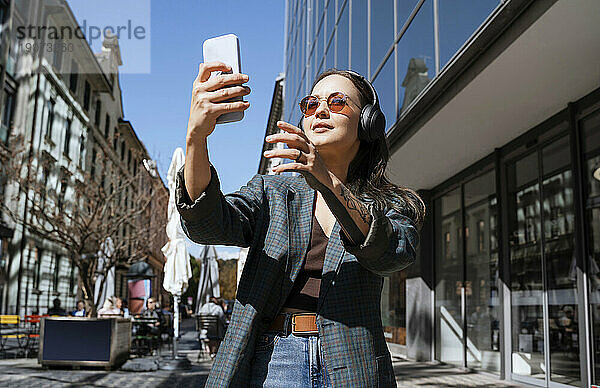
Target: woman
x: 108, y: 308
x: 307, y: 305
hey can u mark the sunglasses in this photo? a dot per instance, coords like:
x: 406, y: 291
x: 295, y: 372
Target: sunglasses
x: 335, y: 102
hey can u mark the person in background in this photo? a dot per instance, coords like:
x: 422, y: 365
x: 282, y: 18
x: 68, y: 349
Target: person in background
x: 214, y: 307
x: 79, y: 309
x: 56, y: 309
x: 109, y: 308
x: 152, y: 311
x: 122, y: 306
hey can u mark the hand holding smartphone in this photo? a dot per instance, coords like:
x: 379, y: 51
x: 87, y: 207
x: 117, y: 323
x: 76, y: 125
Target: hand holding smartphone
x: 226, y: 49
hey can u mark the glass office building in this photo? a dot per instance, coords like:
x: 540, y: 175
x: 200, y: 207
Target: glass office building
x: 493, y: 114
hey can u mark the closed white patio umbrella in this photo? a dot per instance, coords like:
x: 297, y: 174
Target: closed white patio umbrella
x: 208, y: 283
x: 177, y: 270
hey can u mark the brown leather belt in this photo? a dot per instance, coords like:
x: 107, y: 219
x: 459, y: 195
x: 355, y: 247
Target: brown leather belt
x: 298, y: 324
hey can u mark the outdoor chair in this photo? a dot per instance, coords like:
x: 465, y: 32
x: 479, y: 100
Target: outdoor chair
x: 32, y: 333
x: 144, y: 342
x: 209, y: 328
x: 11, y: 333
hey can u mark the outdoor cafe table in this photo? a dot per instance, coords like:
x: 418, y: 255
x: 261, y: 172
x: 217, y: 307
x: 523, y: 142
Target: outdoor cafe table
x: 71, y: 341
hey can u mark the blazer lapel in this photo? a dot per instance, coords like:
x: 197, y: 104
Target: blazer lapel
x: 300, y: 198
x: 331, y: 264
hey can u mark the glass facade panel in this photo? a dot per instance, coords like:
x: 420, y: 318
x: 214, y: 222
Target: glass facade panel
x: 560, y: 260
x: 384, y: 85
x: 393, y: 307
x: 416, y: 66
x: 343, y: 40
x: 448, y: 278
x: 330, y: 17
x: 318, y: 55
x: 382, y: 31
x: 359, y: 35
x: 403, y: 10
x: 591, y: 139
x: 458, y: 19
x: 524, y: 231
x: 482, y: 273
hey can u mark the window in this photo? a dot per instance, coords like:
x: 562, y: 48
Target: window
x: 128, y: 159
x: 45, y: 177
x: 382, y: 32
x: 122, y: 150
x: 115, y: 140
x: 73, y: 281
x: 81, y: 149
x: 63, y: 191
x: 57, y: 59
x: 7, y: 115
x: 56, y: 277
x: 50, y: 122
x: 107, y: 126
x: 97, y: 114
x: 93, y: 168
x: 358, y: 57
x: 38, y: 254
x: 67, y: 138
x: 73, y: 78
x: 86, y: 96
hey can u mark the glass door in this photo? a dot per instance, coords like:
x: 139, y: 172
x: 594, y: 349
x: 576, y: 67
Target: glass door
x: 449, y: 268
x: 524, y: 223
x: 543, y: 266
x: 591, y: 142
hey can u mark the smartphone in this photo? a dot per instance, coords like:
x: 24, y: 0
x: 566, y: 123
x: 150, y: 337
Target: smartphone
x: 226, y: 49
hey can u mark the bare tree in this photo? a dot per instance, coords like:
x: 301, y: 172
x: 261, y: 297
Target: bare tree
x: 78, y: 212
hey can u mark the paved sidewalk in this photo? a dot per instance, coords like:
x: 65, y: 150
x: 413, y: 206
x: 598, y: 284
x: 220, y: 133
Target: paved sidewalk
x: 22, y: 372
x: 27, y: 373
x: 428, y: 374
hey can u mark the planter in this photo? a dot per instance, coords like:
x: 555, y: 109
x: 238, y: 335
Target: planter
x: 70, y: 341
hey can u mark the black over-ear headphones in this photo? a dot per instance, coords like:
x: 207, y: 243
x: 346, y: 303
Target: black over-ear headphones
x: 371, y: 124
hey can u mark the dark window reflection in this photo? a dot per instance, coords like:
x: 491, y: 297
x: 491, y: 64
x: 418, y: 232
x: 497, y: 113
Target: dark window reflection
x: 524, y: 223
x: 591, y: 141
x: 448, y: 281
x: 542, y: 258
x: 560, y: 260
x: 482, y: 276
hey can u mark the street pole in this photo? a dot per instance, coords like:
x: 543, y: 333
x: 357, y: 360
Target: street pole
x: 175, y: 324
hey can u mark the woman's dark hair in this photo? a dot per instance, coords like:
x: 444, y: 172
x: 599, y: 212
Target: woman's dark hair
x: 366, y: 173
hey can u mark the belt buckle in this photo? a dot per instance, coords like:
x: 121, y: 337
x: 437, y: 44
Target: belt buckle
x: 312, y: 332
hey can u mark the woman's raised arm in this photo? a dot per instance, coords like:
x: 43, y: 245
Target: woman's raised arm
x: 208, y: 96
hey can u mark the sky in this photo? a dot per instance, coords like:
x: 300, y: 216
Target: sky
x: 156, y: 98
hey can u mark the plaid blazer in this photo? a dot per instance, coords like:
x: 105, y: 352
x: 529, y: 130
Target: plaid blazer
x: 272, y: 216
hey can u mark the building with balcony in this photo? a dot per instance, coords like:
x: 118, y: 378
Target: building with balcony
x: 493, y: 115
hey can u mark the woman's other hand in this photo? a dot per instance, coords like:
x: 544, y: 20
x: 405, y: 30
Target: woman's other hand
x: 208, y: 95
x: 304, y: 154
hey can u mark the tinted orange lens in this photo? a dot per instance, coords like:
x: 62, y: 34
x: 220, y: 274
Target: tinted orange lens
x: 336, y: 102
x: 309, y: 105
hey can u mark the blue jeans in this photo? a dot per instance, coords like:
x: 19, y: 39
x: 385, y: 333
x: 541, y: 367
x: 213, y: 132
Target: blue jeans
x: 288, y: 361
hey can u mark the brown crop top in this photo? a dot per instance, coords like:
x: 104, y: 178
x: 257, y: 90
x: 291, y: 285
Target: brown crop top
x: 305, y: 292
